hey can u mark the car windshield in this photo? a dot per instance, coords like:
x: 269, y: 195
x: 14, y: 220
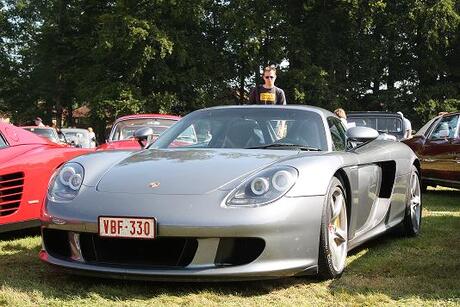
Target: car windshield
x: 381, y: 124
x: 246, y: 127
x: 78, y: 137
x: 45, y: 132
x: 125, y: 129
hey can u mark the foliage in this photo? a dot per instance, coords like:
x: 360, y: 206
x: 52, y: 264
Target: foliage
x: 171, y: 56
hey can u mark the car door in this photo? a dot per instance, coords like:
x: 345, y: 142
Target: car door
x: 367, y: 184
x: 440, y: 153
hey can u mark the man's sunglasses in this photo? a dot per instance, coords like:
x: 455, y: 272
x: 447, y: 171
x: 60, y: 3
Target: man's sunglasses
x: 269, y: 77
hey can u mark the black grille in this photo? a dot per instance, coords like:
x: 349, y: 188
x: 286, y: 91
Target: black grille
x: 163, y: 252
x: 238, y: 251
x: 11, y: 186
x: 160, y: 252
x: 56, y: 242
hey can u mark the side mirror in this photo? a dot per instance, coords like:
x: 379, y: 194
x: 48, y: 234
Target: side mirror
x: 358, y: 135
x: 142, y: 134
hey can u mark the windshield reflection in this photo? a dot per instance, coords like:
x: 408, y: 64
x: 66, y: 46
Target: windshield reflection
x: 246, y: 128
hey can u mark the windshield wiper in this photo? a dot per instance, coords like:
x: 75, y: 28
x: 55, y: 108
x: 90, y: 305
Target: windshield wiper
x: 286, y: 145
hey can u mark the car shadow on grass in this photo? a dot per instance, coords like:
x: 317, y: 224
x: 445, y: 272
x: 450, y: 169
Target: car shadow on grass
x: 22, y: 271
x: 425, y: 267
x: 443, y: 199
x: 18, y: 234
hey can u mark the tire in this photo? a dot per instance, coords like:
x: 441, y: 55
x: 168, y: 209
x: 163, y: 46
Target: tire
x: 424, y: 187
x: 413, y: 217
x: 333, y: 244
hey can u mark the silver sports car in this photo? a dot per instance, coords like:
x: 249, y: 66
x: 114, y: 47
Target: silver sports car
x: 263, y: 192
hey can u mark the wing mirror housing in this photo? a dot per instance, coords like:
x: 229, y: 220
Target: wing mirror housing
x: 359, y: 135
x: 142, y: 135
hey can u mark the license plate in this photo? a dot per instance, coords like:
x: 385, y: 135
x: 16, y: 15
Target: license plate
x: 127, y: 227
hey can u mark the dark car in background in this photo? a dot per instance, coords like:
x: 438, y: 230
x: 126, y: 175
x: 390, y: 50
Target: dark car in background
x: 437, y: 144
x: 47, y: 132
x: 383, y: 122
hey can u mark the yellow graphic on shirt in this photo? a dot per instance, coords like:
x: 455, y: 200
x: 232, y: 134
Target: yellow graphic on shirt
x: 267, y: 97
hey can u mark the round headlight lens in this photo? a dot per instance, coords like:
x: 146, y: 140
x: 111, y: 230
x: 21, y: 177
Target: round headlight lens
x: 282, y: 180
x: 66, y: 174
x: 260, y: 186
x: 75, y: 181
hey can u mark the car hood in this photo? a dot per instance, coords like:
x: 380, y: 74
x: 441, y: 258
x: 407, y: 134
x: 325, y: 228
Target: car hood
x: 186, y: 171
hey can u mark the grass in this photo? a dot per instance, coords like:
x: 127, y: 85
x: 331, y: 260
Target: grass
x: 387, y: 271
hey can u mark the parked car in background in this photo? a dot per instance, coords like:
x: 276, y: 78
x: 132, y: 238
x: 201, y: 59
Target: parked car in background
x: 27, y: 162
x: 437, y: 144
x: 78, y: 137
x: 47, y: 132
x: 383, y: 122
x: 243, y: 200
x: 121, y: 135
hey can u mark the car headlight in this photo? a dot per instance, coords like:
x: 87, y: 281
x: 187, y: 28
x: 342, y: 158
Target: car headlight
x: 66, y: 182
x: 264, y: 187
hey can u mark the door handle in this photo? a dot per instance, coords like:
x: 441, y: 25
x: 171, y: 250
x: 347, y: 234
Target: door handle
x: 429, y: 160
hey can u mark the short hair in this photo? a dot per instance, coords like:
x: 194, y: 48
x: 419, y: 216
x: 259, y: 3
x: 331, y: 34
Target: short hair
x: 340, y: 113
x: 269, y: 68
x: 4, y: 114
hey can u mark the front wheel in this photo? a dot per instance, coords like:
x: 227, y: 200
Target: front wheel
x: 333, y: 245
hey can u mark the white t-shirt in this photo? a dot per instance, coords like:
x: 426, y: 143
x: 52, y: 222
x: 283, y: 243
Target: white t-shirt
x: 407, y: 128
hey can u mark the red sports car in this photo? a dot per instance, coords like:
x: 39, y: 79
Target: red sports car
x: 27, y: 162
x: 437, y: 144
x: 121, y: 136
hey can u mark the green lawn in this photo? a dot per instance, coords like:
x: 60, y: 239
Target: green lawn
x: 387, y: 271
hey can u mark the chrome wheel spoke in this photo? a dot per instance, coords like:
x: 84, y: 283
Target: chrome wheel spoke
x: 416, y: 201
x: 337, y: 230
x: 414, y: 184
x: 336, y: 206
x: 340, y: 236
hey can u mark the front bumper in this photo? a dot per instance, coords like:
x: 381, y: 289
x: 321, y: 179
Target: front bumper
x: 288, y: 228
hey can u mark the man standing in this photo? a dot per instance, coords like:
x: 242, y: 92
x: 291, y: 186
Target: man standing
x: 38, y: 122
x: 267, y: 93
x: 407, y: 126
x: 4, y: 118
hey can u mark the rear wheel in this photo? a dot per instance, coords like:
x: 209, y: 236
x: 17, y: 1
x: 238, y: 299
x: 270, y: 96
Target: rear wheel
x: 424, y: 187
x: 413, y: 217
x: 333, y: 245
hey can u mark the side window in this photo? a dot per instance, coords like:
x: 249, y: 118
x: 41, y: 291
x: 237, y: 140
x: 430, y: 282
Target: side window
x: 3, y: 143
x: 187, y: 137
x: 337, y: 133
x: 196, y: 135
x: 446, y: 128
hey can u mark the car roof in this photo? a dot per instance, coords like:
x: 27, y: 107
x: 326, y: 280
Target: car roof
x: 325, y: 112
x: 74, y: 130
x: 159, y: 116
x: 449, y: 114
x: 373, y: 113
x: 36, y: 127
